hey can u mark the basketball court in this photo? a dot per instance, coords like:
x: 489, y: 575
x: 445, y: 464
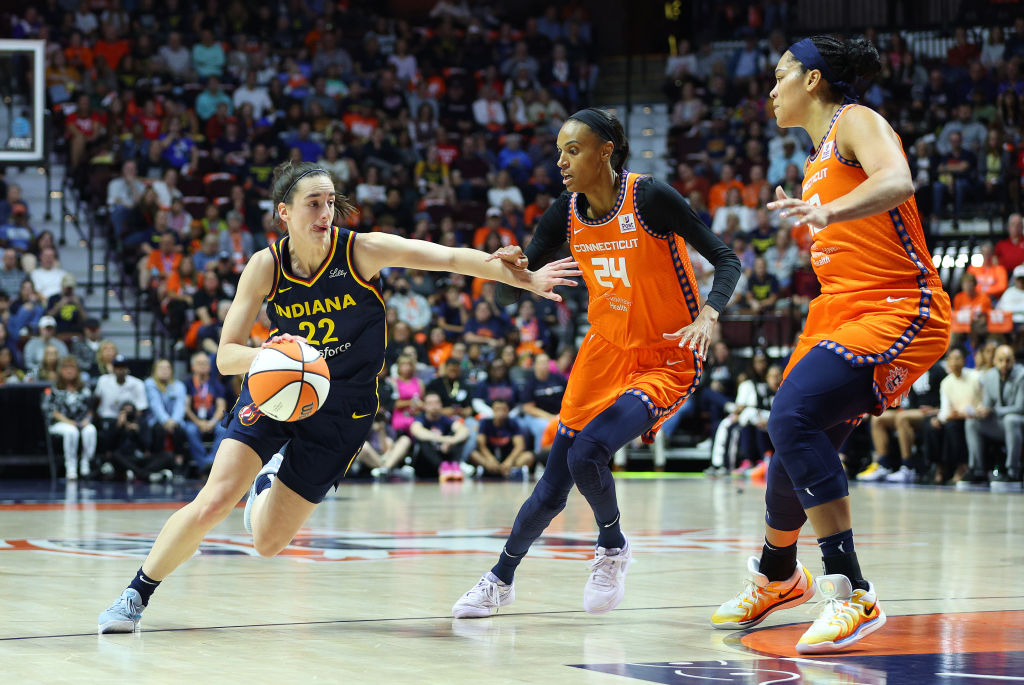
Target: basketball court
x: 364, y: 594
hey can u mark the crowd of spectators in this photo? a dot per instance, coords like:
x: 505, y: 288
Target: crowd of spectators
x: 442, y: 128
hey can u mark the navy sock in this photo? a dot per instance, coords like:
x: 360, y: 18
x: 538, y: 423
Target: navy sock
x: 144, y: 585
x: 778, y: 563
x: 609, y: 535
x: 505, y: 569
x: 838, y: 556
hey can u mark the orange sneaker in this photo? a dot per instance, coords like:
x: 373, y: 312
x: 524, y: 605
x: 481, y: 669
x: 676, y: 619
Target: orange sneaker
x: 761, y: 597
x: 847, y: 616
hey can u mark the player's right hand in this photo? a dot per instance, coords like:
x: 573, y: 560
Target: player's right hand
x: 511, y: 255
x: 284, y: 337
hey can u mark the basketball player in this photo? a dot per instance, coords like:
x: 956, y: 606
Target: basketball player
x: 881, y: 321
x: 321, y: 284
x: 629, y: 234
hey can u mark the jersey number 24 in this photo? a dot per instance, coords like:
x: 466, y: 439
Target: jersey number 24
x: 605, y: 267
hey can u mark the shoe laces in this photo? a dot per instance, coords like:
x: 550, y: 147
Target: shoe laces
x: 127, y: 602
x: 837, y: 612
x: 486, y: 592
x: 605, y: 569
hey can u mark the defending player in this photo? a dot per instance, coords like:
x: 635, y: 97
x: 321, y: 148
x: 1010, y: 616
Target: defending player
x: 314, y: 262
x: 629, y: 233
x: 881, y: 321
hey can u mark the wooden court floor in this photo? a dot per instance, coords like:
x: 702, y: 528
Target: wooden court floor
x: 364, y: 594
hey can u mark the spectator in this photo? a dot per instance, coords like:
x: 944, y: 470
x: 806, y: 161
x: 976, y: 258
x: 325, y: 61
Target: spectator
x: 718, y: 195
x: 436, y: 438
x: 208, y: 57
x: 972, y: 133
x: 86, y: 348
x: 83, y: 128
x: 991, y: 275
x: 16, y: 233
x: 206, y: 405
x: 496, y: 385
x: 36, y: 345
x: 11, y: 276
x: 762, y: 237
x: 48, y: 277
x: 970, y: 299
x: 732, y: 206
x: 542, y: 398
x: 411, y: 307
x: 9, y: 371
x: 782, y: 258
x: 254, y: 94
x: 488, y: 111
x: 504, y: 190
x: 408, y: 392
x: 500, y: 446
x: 120, y: 395
x: 68, y: 411
x: 994, y: 48
x: 780, y: 164
x: 1009, y: 251
x: 997, y: 174
x: 954, y: 173
x: 1013, y: 299
x: 167, y: 400
x: 762, y: 289
x: 452, y: 313
x: 160, y: 263
x: 999, y: 418
x: 176, y: 58
x: 237, y: 241
x: 383, y: 451
x: 67, y: 308
x: 494, y: 224
x: 12, y: 200
x: 484, y: 327
x: 27, y: 309
x: 961, y: 51
x: 945, y: 439
x: 47, y: 370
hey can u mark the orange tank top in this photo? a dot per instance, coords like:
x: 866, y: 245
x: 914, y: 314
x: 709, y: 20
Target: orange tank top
x: 886, y: 251
x: 641, y: 283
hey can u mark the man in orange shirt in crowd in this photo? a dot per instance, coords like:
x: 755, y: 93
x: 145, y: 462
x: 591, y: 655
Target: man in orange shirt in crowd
x: 716, y: 197
x: 493, y: 223
x: 752, y: 190
x: 991, y: 274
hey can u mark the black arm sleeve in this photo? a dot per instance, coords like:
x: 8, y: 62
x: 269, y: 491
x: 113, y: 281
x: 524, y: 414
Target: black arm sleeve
x: 664, y: 210
x: 548, y: 239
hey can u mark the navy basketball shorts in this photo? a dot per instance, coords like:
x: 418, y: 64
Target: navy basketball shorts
x: 320, y: 448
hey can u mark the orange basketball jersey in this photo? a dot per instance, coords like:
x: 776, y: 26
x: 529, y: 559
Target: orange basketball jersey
x: 881, y: 301
x: 641, y: 284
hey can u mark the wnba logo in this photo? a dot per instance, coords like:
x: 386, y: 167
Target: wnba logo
x: 897, y: 377
x: 249, y: 414
x: 307, y: 410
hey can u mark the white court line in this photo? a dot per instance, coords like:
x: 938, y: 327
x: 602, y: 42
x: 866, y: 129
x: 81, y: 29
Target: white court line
x: 979, y: 675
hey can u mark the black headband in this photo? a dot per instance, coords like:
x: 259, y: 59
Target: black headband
x: 304, y: 174
x: 597, y: 121
x: 806, y: 52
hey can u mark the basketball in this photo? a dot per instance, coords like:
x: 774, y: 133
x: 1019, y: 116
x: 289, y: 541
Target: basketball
x: 289, y: 380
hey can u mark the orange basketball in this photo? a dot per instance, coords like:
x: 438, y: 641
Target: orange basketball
x: 289, y: 380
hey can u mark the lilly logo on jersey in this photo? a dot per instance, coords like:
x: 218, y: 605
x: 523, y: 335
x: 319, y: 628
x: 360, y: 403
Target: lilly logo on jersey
x: 337, y: 273
x: 627, y: 224
x: 324, y: 306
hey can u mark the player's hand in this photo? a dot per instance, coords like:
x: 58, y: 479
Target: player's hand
x: 544, y: 280
x: 284, y: 337
x: 511, y: 255
x: 802, y: 213
x: 697, y: 336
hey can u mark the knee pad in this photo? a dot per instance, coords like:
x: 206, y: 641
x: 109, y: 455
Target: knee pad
x: 550, y: 498
x: 587, y: 453
x: 783, y: 509
x: 784, y: 426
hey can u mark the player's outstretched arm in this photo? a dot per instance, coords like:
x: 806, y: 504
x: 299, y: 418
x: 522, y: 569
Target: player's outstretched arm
x: 375, y: 251
x: 233, y: 354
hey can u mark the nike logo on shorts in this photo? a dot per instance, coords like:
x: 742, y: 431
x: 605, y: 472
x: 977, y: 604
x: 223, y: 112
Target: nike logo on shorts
x: 894, y: 299
x: 677, y: 361
x: 359, y: 416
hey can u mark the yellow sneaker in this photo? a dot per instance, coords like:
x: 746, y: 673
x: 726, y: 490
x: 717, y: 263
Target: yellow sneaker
x: 846, y: 617
x: 874, y: 472
x: 761, y: 597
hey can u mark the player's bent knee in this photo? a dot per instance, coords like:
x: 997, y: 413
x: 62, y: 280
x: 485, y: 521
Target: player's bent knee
x: 267, y: 545
x: 548, y: 497
x: 587, y: 452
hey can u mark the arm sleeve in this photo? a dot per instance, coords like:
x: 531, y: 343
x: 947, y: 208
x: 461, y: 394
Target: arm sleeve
x: 664, y: 210
x: 548, y: 239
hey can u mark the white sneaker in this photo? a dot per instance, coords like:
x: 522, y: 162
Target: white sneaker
x: 271, y: 469
x: 904, y: 475
x: 607, y: 583
x: 407, y: 472
x: 484, y: 598
x: 83, y: 468
x: 379, y: 473
x: 70, y: 469
x: 846, y: 616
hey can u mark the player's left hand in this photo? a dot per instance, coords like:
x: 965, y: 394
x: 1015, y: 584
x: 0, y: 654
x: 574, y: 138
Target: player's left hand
x: 697, y: 336
x: 282, y: 338
x: 802, y: 213
x: 543, y: 280
x: 511, y: 255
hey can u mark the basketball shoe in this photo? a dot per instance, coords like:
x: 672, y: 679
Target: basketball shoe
x: 484, y: 598
x: 847, y: 616
x: 873, y: 473
x: 124, y: 615
x: 607, y: 582
x: 270, y: 470
x: 761, y: 597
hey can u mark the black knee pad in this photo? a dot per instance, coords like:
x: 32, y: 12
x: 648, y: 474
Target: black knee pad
x: 549, y: 498
x: 586, y: 454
